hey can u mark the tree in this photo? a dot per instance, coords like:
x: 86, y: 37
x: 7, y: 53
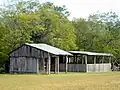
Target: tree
x: 58, y: 30
x: 30, y: 21
x: 100, y: 33
x: 88, y: 33
x: 111, y: 21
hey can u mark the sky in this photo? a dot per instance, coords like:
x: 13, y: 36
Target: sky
x: 82, y: 8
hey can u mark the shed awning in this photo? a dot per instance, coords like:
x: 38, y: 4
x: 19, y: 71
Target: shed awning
x: 91, y: 53
x: 50, y: 49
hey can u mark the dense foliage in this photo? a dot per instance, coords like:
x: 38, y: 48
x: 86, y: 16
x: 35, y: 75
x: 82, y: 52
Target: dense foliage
x: 33, y: 22
x: 100, y: 33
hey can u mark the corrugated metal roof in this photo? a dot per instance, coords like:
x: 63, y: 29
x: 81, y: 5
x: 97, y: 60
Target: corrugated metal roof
x: 50, y: 49
x: 91, y: 53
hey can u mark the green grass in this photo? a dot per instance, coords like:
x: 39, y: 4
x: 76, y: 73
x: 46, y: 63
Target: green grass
x: 62, y: 81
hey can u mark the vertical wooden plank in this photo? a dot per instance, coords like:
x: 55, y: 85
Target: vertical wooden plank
x: 66, y: 66
x: 25, y: 50
x: 34, y: 65
x: 26, y: 65
x: 29, y: 65
x: 94, y: 59
x: 110, y: 61
x: 11, y: 65
x: 40, y: 61
x: 103, y: 64
x: 82, y: 59
x: 86, y: 63
x: 25, y: 71
x: 94, y: 63
x: 21, y: 51
x: 38, y: 54
x: 57, y: 64
x: 43, y: 61
x: 37, y: 65
x: 32, y: 51
x: 49, y: 63
x: 28, y: 51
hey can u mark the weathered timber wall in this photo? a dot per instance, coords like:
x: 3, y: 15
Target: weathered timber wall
x: 23, y: 65
x: 62, y: 67
x: 28, y: 51
x: 73, y: 67
x: 27, y: 59
x: 105, y: 67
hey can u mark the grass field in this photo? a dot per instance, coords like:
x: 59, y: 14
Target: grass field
x: 69, y: 81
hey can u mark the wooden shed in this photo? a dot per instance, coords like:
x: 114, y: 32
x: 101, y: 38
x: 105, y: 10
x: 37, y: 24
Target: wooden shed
x: 83, y: 61
x: 37, y: 58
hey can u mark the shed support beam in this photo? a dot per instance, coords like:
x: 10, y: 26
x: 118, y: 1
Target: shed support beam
x: 57, y: 64
x: 86, y: 63
x: 66, y: 66
x: 43, y: 60
x: 82, y: 59
x: 103, y: 58
x: 48, y: 65
x: 43, y: 64
x: 95, y: 63
x: 85, y: 59
x: 94, y: 59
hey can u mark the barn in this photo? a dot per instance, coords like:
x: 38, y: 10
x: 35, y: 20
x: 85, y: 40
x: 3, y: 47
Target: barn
x: 37, y: 58
x: 83, y: 61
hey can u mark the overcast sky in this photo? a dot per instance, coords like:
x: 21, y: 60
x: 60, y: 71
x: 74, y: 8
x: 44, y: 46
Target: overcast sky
x: 82, y: 8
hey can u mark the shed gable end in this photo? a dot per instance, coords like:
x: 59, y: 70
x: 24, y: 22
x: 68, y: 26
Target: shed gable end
x: 25, y: 50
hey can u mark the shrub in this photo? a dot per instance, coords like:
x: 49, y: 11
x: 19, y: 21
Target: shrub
x: 2, y: 70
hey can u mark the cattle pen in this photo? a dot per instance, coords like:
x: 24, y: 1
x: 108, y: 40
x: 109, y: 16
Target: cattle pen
x: 83, y: 61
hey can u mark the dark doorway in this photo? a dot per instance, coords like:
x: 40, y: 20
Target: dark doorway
x: 53, y: 64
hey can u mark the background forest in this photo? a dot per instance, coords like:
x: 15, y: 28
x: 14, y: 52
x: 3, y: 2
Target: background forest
x: 34, y: 22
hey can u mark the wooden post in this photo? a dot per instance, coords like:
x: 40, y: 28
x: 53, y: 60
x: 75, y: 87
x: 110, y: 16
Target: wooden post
x: 110, y: 61
x: 94, y: 59
x: 48, y: 63
x: 82, y: 59
x: 43, y: 60
x: 68, y: 59
x: 66, y: 66
x: 37, y: 62
x: 94, y: 63
x: 86, y: 63
x: 85, y: 59
x: 57, y: 64
x: 103, y: 63
x: 25, y: 66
